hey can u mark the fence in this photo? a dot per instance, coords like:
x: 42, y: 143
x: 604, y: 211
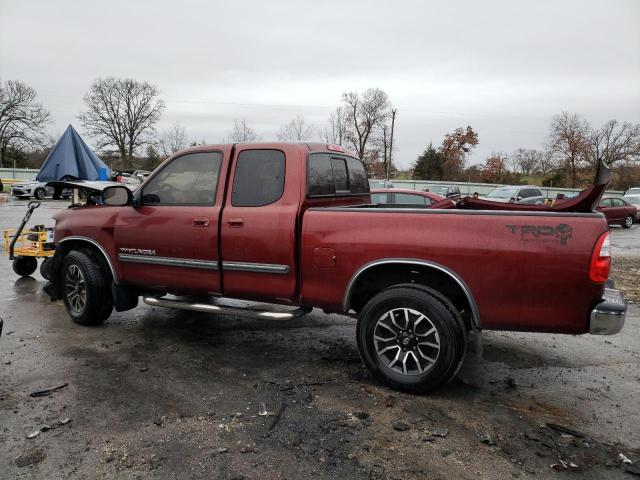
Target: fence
x: 18, y: 173
x: 467, y: 188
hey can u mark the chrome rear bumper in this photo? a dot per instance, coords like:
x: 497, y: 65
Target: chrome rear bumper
x: 607, y: 318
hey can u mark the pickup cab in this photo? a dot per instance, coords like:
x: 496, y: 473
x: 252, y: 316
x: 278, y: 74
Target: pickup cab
x: 293, y: 225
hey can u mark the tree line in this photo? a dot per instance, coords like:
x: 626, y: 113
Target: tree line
x: 121, y: 116
x: 569, y: 157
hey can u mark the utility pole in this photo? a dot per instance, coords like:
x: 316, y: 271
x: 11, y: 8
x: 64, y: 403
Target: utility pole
x: 385, y: 148
x: 393, y: 121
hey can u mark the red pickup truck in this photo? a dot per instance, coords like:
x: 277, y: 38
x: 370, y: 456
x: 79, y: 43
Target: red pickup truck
x: 293, y: 225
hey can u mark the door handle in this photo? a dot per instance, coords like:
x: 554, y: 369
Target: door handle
x: 201, y: 222
x: 235, y: 222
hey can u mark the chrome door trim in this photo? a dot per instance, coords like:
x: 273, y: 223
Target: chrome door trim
x: 169, y: 261
x: 256, y: 267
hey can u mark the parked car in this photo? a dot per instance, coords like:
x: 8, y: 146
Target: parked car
x: 632, y: 191
x: 130, y: 177
x: 292, y: 224
x: 618, y: 211
x: 35, y: 189
x: 404, y: 198
x: 635, y: 201
x: 448, y: 191
x: 524, y: 194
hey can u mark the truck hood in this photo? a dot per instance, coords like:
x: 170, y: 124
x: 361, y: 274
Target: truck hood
x: 86, y: 185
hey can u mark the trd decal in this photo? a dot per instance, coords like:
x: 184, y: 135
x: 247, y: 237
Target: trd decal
x: 561, y: 232
x: 137, y: 251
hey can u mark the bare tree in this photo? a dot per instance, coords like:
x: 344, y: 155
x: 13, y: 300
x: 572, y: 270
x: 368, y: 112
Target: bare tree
x: 365, y: 114
x: 22, y: 119
x: 121, y: 113
x: 569, y: 140
x: 614, y: 143
x: 297, y: 130
x: 173, y: 140
x: 526, y: 160
x: 546, y: 163
x: 242, y: 132
x: 336, y: 132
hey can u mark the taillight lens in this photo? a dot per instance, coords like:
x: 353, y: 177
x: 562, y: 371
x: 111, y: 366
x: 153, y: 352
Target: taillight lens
x: 600, y: 260
x: 119, y: 178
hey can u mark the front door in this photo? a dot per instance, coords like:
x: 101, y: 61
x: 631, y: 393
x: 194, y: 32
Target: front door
x: 259, y: 224
x: 170, y: 240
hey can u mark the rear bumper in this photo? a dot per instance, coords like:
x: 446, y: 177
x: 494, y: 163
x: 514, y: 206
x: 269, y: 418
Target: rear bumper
x: 607, y: 318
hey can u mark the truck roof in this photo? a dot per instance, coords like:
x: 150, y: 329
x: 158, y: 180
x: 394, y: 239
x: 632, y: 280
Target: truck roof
x: 309, y: 146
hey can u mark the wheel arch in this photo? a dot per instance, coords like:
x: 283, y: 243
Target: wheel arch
x: 377, y: 275
x: 77, y: 242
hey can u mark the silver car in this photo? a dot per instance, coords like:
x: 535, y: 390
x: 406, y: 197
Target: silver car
x: 35, y: 189
x: 525, y: 194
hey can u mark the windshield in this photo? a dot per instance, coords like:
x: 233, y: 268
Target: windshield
x: 633, y: 191
x: 503, y: 193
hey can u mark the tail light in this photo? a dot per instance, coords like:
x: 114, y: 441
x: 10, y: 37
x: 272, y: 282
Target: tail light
x: 600, y: 260
x: 119, y: 178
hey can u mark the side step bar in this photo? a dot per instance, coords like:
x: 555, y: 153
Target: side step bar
x: 223, y: 310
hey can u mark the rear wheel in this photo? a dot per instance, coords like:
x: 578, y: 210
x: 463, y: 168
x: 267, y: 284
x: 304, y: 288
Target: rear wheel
x: 25, y: 266
x: 86, y: 288
x: 39, y: 194
x: 628, y: 221
x: 411, y: 340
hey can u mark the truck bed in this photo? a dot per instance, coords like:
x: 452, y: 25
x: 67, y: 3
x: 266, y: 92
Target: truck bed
x: 526, y: 270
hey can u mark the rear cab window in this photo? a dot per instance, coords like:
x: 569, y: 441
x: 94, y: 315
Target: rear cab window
x: 331, y: 174
x: 259, y: 178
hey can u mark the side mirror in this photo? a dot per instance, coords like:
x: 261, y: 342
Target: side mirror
x: 116, y: 196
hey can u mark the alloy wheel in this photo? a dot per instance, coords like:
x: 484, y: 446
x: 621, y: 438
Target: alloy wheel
x: 75, y: 289
x: 406, y: 341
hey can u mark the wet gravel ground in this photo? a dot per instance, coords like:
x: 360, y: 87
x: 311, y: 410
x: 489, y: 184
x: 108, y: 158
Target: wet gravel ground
x: 165, y: 394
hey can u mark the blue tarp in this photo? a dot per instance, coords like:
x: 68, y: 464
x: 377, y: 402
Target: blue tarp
x: 71, y: 156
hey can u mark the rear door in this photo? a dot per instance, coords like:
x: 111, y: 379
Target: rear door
x: 259, y: 223
x: 170, y: 240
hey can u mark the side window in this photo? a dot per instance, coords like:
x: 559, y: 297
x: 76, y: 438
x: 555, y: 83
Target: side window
x: 605, y: 202
x: 410, y: 199
x: 357, y: 176
x: 617, y: 202
x: 328, y: 174
x: 340, y: 175
x: 190, y: 179
x: 379, y: 198
x: 259, y: 178
x: 320, y: 175
x: 524, y: 193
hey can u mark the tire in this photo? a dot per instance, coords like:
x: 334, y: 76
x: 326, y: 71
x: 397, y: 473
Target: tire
x: 45, y: 268
x: 39, y: 194
x: 628, y: 222
x: 418, y: 367
x: 25, y: 266
x: 83, y: 275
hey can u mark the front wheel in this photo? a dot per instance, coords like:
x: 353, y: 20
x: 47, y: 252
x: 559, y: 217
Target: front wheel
x: 411, y: 340
x: 39, y: 194
x: 86, y: 289
x: 628, y: 222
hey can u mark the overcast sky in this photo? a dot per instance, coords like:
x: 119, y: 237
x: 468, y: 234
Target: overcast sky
x: 503, y: 67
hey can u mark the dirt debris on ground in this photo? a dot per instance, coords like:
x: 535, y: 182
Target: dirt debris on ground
x: 162, y: 394
x: 625, y: 272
